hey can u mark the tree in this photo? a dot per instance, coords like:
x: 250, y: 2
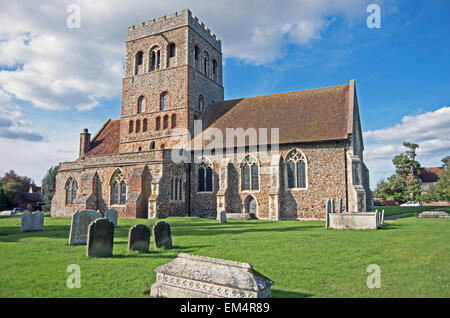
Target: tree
x: 441, y: 190
x: 404, y: 184
x: 3, y: 203
x: 48, y: 187
x: 14, y: 184
x: 446, y: 162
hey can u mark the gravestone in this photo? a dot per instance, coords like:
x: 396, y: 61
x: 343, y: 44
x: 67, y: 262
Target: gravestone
x: 79, y: 226
x: 161, y: 235
x: 193, y: 276
x: 100, y: 238
x: 139, y: 238
x: 112, y: 216
x: 26, y: 222
x: 382, y: 217
x: 37, y: 221
x: 223, y: 217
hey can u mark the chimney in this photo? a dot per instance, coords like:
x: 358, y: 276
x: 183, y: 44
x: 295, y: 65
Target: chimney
x: 85, y: 140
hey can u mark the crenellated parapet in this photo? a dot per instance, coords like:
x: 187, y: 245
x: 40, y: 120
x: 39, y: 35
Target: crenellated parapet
x: 170, y: 22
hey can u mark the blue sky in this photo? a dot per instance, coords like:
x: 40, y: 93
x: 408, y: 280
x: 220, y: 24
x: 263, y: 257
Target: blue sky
x: 56, y: 81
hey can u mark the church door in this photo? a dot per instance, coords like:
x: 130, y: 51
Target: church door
x: 250, y: 206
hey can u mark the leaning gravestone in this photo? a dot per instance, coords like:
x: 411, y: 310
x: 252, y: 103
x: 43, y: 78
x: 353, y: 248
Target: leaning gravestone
x: 37, y: 221
x: 223, y: 217
x: 100, y: 238
x: 80, y: 224
x: 26, y: 222
x: 161, y: 235
x: 139, y: 238
x: 193, y: 276
x: 112, y: 216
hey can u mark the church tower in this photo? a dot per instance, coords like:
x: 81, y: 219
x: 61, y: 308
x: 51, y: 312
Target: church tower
x: 173, y: 71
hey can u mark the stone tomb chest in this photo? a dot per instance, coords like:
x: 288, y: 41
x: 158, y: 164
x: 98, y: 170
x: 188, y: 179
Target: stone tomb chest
x: 192, y: 276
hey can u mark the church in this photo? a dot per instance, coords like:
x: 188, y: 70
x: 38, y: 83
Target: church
x: 308, y: 146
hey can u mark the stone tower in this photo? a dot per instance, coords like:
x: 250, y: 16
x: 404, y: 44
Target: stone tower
x: 173, y: 70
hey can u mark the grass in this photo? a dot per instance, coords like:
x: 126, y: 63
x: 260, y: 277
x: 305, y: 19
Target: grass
x: 395, y: 210
x: 303, y: 258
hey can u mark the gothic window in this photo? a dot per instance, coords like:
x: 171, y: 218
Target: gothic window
x: 71, y: 190
x: 158, y: 123
x: 152, y: 145
x: 139, y: 60
x: 118, y: 188
x: 155, y: 59
x: 172, y: 50
x: 206, y: 63
x: 173, y: 121
x: 196, y: 52
x: 144, y: 125
x: 201, y: 103
x: 296, y: 170
x: 250, y: 174
x: 141, y: 104
x: 166, y: 122
x: 164, y: 105
x: 215, y: 69
x: 131, y: 126
x: 138, y: 126
x: 205, y: 176
x: 176, y: 188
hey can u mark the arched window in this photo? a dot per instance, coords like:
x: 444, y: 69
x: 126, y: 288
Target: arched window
x: 141, y: 104
x: 139, y: 61
x: 155, y: 59
x: 138, y: 126
x: 152, y: 145
x: 215, y: 69
x: 164, y: 105
x: 176, y: 188
x: 172, y: 50
x: 158, y: 123
x: 205, y: 174
x: 131, y: 126
x: 173, y: 121
x: 144, y: 125
x: 250, y: 174
x: 140, y: 149
x: 201, y: 103
x: 196, y: 52
x: 118, y: 188
x: 71, y: 190
x: 206, y: 63
x: 166, y: 122
x: 295, y: 170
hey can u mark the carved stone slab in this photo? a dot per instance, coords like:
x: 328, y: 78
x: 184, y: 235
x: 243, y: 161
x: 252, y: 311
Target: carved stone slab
x: 192, y: 276
x: 355, y: 220
x: 79, y: 226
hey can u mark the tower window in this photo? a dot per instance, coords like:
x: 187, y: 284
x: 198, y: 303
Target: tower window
x: 214, y: 67
x: 158, y: 123
x: 206, y: 63
x: 155, y: 59
x: 164, y: 101
x: 139, y: 60
x: 131, y: 126
x: 152, y: 145
x: 144, y: 125
x: 196, y: 52
x: 201, y: 103
x: 141, y: 104
x: 166, y: 122
x: 172, y: 50
x: 138, y: 126
x: 173, y: 121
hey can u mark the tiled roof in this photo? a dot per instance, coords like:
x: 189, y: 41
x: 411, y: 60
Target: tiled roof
x: 431, y: 174
x: 303, y: 116
x: 107, y: 140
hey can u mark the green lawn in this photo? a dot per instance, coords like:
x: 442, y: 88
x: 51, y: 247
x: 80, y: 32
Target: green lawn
x: 303, y: 258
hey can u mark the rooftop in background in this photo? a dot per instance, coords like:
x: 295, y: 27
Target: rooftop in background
x: 431, y: 174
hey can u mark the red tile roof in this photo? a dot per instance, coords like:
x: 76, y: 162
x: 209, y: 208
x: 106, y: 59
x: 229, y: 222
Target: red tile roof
x: 107, y: 140
x: 431, y: 174
x: 303, y: 116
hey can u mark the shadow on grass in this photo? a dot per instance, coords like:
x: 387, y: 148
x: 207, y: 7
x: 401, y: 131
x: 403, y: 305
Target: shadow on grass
x: 13, y: 234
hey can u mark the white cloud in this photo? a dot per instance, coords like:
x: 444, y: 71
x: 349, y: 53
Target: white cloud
x: 430, y: 130
x: 13, y: 125
x: 55, y: 67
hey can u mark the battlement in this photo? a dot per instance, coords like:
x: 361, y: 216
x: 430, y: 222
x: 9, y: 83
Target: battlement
x: 173, y: 21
